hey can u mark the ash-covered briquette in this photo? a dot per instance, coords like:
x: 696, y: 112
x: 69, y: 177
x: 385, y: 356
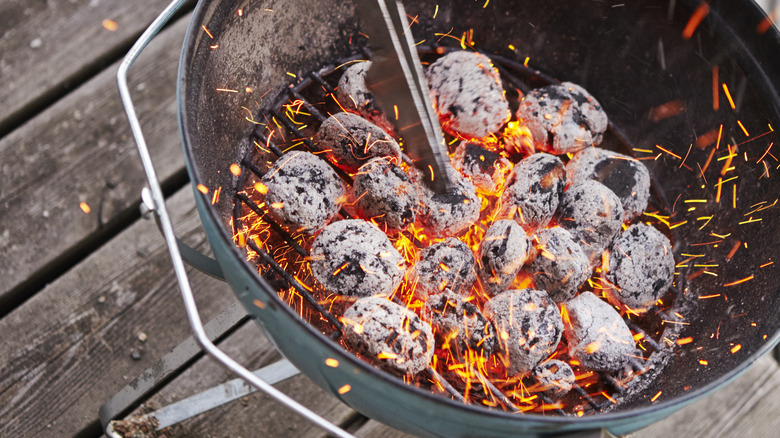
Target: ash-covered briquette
x: 624, y: 175
x: 528, y: 325
x: 467, y: 94
x: 502, y: 253
x: 563, y: 118
x: 354, y: 95
x: 486, y: 169
x: 447, y: 214
x: 641, y: 267
x: 560, y: 266
x: 444, y: 266
x: 596, y: 334
x: 592, y: 213
x: 458, y: 324
x: 303, y: 191
x: 555, y: 377
x: 351, y: 141
x: 386, y: 194
x: 534, y: 191
x: 389, y: 335
x: 356, y: 259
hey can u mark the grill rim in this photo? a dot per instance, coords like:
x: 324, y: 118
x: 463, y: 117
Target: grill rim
x: 212, y: 220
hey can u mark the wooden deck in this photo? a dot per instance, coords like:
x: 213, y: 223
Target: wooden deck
x: 88, y: 298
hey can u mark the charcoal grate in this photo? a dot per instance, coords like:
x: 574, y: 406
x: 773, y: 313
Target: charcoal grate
x: 271, y: 255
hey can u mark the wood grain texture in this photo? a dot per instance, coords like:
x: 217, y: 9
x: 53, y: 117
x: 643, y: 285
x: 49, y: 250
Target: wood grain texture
x: 48, y: 45
x: 72, y: 342
x: 257, y: 412
x: 81, y: 150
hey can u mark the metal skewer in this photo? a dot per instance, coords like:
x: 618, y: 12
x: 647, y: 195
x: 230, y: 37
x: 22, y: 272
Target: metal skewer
x: 398, y: 83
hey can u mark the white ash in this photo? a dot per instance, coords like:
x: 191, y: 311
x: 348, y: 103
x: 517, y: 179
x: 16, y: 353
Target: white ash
x: 459, y: 324
x: 447, y: 214
x: 355, y: 258
x: 304, y: 192
x: 555, y: 377
x: 388, y: 335
x: 354, y: 95
x: 386, y: 194
x: 534, y: 191
x: 351, y: 141
x: 486, y: 169
x: 467, y: 93
x: 528, y: 324
x: 641, y: 267
x: 502, y: 253
x: 444, y: 266
x: 624, y: 175
x: 559, y: 265
x: 592, y: 213
x: 596, y: 334
x: 562, y: 118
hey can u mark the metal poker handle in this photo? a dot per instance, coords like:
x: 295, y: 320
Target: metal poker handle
x: 161, y: 213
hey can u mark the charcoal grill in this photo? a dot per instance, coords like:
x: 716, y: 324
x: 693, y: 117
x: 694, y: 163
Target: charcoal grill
x: 654, y: 69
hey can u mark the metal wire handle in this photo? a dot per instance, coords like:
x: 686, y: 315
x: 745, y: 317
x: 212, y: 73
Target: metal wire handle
x: 161, y: 213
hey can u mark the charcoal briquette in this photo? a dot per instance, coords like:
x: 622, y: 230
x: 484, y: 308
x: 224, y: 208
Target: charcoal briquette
x: 593, y: 214
x: 596, y: 334
x: 502, y: 253
x: 562, y: 118
x: 486, y: 169
x: 555, y: 377
x: 459, y: 325
x: 528, y: 325
x: 559, y: 265
x: 445, y: 266
x: 534, y: 191
x: 467, y: 93
x: 303, y: 191
x: 385, y: 194
x: 354, y: 95
x: 388, y: 335
x: 641, y: 267
x: 355, y: 258
x: 350, y: 141
x: 451, y: 213
x: 624, y: 175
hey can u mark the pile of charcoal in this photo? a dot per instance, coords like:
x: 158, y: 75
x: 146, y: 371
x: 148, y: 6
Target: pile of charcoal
x: 506, y: 264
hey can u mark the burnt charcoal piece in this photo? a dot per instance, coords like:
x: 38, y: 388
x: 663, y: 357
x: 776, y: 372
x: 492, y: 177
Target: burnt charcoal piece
x: 354, y: 95
x: 388, y: 335
x: 303, y: 191
x: 534, y: 191
x: 458, y: 324
x: 563, y: 118
x: 592, y: 213
x: 467, y: 94
x: 486, y: 169
x: 555, y: 377
x: 597, y: 336
x: 351, y: 141
x: 445, y: 266
x: 560, y: 266
x: 447, y: 214
x: 386, y: 195
x: 356, y: 259
x: 502, y: 253
x: 528, y: 324
x: 626, y: 176
x: 641, y: 267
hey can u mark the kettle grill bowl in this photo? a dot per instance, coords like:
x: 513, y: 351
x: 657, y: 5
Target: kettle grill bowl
x: 615, y: 53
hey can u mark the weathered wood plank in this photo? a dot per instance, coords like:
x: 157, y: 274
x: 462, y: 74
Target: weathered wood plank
x: 746, y: 407
x: 47, y: 46
x: 81, y: 150
x: 375, y: 429
x: 72, y: 342
x: 256, y: 412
